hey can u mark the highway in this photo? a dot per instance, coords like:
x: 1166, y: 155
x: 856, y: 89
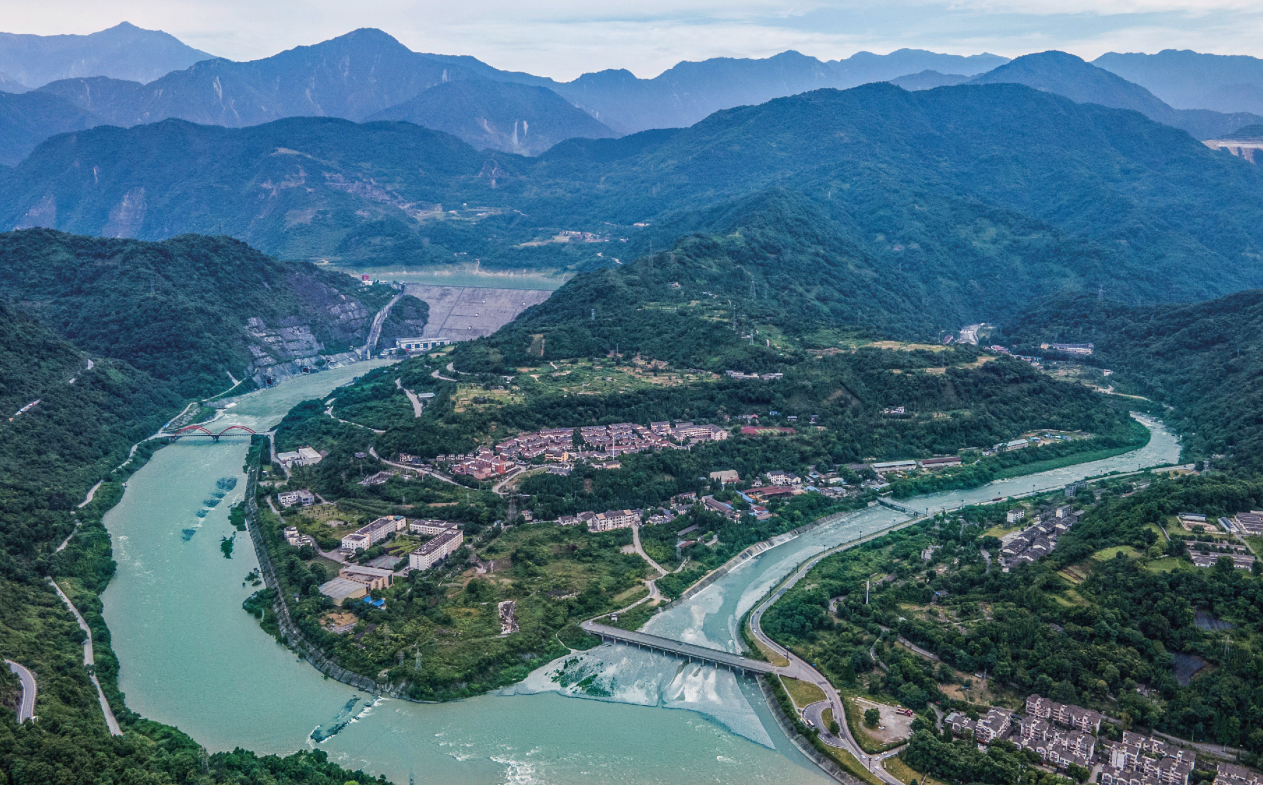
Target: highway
x: 26, y: 708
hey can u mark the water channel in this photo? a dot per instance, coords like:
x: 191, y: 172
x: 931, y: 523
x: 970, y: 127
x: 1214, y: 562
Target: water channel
x: 191, y: 657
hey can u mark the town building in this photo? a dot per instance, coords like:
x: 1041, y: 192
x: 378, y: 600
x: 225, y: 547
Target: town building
x: 1232, y: 774
x: 371, y: 577
x: 435, y: 550
x: 420, y: 344
x: 1066, y: 714
x: 430, y: 526
x: 940, y: 462
x: 303, y: 456
x: 613, y: 519
x: 340, y: 589
x: 296, y: 540
x: 894, y: 466
x: 1069, y: 348
x: 1015, y: 515
x: 726, y: 476
x: 290, y: 498
x: 369, y: 535
x: 784, y: 478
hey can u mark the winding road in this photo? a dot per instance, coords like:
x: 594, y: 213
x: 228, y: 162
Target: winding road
x: 26, y: 707
x: 802, y: 670
x: 90, y: 661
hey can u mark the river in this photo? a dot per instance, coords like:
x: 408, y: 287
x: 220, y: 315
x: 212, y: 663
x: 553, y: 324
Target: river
x: 192, y: 658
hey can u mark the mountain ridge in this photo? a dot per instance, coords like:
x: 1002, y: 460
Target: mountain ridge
x: 124, y: 51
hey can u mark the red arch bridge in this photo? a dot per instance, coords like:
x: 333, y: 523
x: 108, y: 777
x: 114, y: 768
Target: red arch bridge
x: 197, y: 430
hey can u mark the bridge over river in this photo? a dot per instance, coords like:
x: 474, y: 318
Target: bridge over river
x: 688, y: 651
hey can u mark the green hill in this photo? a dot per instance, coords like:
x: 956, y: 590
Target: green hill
x: 27, y: 119
x: 1201, y: 358
x: 182, y: 309
x: 979, y: 196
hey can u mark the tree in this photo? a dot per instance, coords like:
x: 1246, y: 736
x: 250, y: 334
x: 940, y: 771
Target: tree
x: 872, y: 717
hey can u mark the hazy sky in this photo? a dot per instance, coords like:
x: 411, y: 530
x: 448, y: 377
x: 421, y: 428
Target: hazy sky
x: 563, y: 38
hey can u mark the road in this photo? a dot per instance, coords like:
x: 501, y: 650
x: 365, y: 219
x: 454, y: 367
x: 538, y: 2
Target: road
x: 329, y: 411
x: 375, y: 331
x: 803, y: 671
x: 88, y: 499
x: 417, y: 469
x: 654, y: 594
x: 417, y: 408
x: 438, y: 374
x: 26, y: 708
x: 90, y: 661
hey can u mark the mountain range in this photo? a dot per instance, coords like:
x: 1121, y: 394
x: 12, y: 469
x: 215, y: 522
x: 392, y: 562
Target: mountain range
x: 367, y: 74
x: 1065, y: 74
x: 962, y: 199
x: 121, y: 52
x: 1193, y: 80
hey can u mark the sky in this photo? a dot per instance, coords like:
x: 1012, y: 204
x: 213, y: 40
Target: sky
x: 564, y: 38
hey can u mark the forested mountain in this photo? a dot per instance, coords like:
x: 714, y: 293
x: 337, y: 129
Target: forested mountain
x: 27, y: 119
x: 928, y: 80
x: 77, y: 428
x: 1205, y: 359
x: 983, y: 194
x: 121, y: 52
x: 1065, y: 74
x: 189, y: 311
x: 351, y: 76
x: 1192, y: 80
x: 686, y: 93
x: 505, y: 116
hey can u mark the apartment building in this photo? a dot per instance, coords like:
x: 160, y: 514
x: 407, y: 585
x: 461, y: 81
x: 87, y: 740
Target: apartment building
x: 435, y: 550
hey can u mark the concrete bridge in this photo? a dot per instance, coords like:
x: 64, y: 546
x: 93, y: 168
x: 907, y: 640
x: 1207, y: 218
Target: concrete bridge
x: 688, y: 651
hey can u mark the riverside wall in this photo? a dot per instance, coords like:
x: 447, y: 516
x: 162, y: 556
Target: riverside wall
x: 804, y: 745
x: 294, y: 636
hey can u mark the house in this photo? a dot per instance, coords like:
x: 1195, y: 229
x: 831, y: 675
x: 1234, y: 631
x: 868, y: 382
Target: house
x: 303, y: 456
x: 783, y: 478
x: 726, y: 476
x: 435, y: 550
x: 420, y: 344
x: 614, y: 519
x: 371, y: 577
x: 355, y: 542
x: 1085, y: 720
x: 289, y: 498
x: 1231, y: 774
x: 1015, y: 515
x: 993, y: 726
x: 296, y: 540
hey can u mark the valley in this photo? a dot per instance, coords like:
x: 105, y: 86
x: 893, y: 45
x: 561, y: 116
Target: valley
x: 378, y: 415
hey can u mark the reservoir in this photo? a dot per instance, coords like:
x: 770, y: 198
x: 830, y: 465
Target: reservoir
x: 192, y: 658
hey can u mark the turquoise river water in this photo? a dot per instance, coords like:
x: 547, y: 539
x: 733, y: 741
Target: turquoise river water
x: 191, y: 657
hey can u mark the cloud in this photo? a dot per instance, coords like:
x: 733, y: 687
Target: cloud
x: 564, y: 38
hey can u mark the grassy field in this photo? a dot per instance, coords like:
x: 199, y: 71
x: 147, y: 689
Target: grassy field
x: 802, y: 693
x: 1164, y: 565
x: 906, y: 775
x: 1109, y: 553
x: 1256, y: 545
